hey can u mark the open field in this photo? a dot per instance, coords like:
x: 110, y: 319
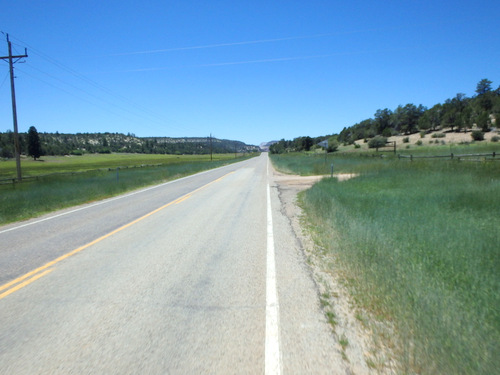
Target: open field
x: 63, y: 164
x: 69, y: 181
x: 416, y: 243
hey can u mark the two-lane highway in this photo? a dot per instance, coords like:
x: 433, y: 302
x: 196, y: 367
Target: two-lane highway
x: 177, y: 279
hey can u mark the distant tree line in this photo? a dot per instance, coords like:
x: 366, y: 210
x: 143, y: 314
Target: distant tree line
x: 460, y: 113
x: 303, y: 144
x: 37, y: 144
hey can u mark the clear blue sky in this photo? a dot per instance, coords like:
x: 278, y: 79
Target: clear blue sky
x: 247, y: 70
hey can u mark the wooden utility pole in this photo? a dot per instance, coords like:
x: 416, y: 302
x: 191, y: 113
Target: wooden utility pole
x: 14, y: 111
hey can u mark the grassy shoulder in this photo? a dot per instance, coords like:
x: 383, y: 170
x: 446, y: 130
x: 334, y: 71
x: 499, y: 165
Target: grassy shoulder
x: 68, y: 181
x: 417, y: 245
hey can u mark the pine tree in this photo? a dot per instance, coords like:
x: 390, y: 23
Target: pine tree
x: 34, y: 146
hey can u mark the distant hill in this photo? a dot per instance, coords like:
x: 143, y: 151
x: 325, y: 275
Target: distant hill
x: 264, y: 146
x: 65, y: 144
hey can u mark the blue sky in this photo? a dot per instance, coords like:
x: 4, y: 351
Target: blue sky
x: 247, y: 70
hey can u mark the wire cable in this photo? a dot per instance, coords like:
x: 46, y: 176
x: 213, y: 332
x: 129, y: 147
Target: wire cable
x: 153, y: 117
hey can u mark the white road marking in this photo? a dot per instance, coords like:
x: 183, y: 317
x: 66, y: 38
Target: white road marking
x: 272, y: 352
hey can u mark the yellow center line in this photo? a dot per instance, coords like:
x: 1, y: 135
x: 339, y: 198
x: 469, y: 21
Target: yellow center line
x: 75, y: 251
x: 182, y: 199
x: 23, y: 284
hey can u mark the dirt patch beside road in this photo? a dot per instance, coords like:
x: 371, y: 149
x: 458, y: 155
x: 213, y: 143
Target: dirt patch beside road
x: 351, y: 335
x: 305, y: 182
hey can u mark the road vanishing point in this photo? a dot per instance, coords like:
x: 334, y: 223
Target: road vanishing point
x: 201, y: 275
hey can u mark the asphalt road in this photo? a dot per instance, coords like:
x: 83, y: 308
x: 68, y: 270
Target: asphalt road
x: 175, y: 279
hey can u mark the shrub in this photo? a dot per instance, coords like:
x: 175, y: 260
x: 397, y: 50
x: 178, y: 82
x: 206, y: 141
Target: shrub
x: 438, y: 135
x: 418, y: 143
x: 333, y: 145
x: 406, y: 139
x: 495, y: 138
x: 377, y: 142
x: 356, y: 145
x: 422, y: 134
x: 477, y: 135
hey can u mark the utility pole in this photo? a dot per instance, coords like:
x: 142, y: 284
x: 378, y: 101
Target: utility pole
x: 14, y: 111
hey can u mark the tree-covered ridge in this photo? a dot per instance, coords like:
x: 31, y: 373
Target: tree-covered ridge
x: 460, y: 113
x: 66, y: 144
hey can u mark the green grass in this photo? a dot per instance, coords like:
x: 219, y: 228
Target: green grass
x: 306, y: 164
x: 55, y: 191
x: 418, y: 244
x: 63, y: 164
x: 447, y: 149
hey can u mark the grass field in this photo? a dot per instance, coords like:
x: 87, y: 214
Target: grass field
x: 418, y: 245
x: 68, y: 181
x: 62, y: 164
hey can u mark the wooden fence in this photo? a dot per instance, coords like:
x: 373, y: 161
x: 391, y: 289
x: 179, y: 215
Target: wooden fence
x: 466, y: 157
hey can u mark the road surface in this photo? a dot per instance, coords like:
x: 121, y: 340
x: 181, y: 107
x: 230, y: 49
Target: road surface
x: 200, y: 275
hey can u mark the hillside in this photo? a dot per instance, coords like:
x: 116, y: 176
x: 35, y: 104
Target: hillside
x: 64, y: 144
x: 453, y: 120
x: 436, y: 138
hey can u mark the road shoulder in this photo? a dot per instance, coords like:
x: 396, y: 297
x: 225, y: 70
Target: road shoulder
x: 345, y: 344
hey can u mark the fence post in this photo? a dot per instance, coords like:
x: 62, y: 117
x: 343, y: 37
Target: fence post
x: 452, y: 155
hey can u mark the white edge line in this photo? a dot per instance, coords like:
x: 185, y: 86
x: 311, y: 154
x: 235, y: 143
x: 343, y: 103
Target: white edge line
x: 113, y: 199
x: 272, y: 347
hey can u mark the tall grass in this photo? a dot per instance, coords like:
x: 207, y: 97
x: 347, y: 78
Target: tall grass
x: 420, y: 246
x: 317, y: 164
x: 49, y: 193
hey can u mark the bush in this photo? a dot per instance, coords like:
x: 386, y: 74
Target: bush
x: 333, y: 145
x: 438, y: 135
x: 422, y: 134
x: 406, y: 139
x: 495, y: 138
x: 418, y: 143
x: 477, y: 135
x: 356, y: 145
x: 377, y: 142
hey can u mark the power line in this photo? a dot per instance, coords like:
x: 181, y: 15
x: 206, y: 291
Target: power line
x: 5, y: 79
x: 153, y: 117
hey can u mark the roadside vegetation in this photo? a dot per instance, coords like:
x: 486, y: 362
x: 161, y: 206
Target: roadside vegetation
x: 416, y: 243
x: 474, y: 115
x: 60, y: 182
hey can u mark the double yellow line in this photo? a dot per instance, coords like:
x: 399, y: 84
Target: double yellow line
x: 34, y: 275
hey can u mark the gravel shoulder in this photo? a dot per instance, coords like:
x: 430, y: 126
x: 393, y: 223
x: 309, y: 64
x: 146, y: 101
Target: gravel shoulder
x: 351, y: 330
